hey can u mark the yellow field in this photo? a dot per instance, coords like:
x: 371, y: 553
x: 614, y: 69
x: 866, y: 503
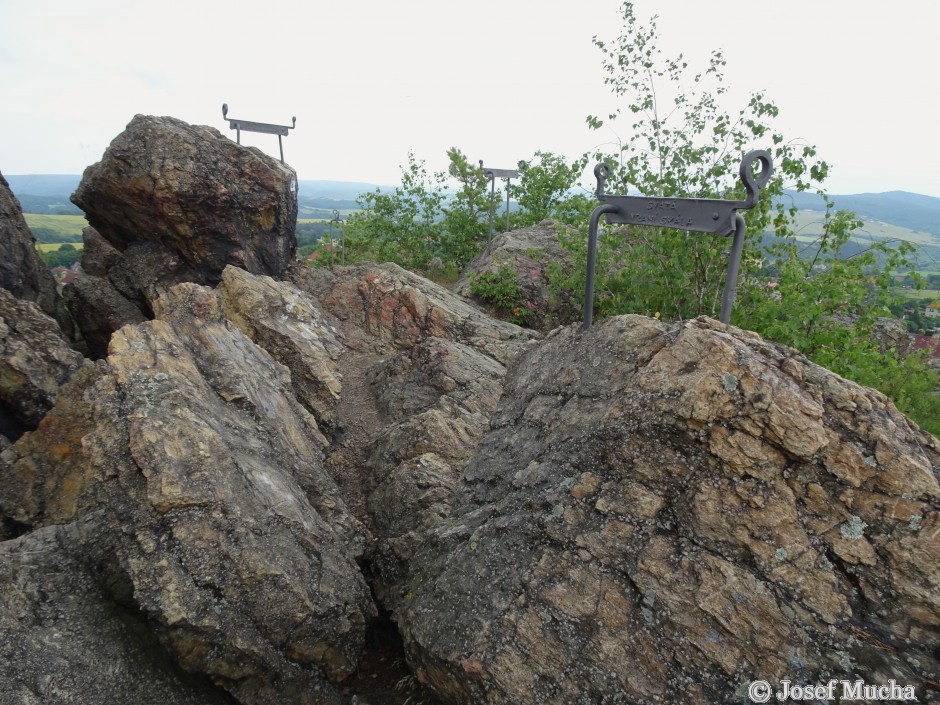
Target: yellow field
x: 60, y: 225
x: 53, y: 246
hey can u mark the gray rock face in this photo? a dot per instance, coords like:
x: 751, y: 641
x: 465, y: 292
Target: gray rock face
x: 99, y: 310
x: 200, y: 195
x: 664, y: 513
x: 424, y: 371
x: 22, y: 272
x: 64, y: 639
x: 34, y: 361
x: 234, y: 542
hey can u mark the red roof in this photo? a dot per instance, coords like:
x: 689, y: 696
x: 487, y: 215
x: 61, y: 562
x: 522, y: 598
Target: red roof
x: 922, y: 342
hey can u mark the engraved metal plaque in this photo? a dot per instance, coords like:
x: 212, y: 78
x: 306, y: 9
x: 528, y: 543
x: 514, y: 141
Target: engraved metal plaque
x: 707, y: 215
x: 263, y: 127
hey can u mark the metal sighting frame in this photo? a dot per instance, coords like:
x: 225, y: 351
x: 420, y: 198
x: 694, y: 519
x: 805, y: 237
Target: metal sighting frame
x: 264, y: 127
x: 705, y: 215
x: 342, y: 229
x: 492, y: 175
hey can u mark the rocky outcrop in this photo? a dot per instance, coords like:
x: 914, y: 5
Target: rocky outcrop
x: 287, y: 324
x: 22, y: 272
x: 526, y: 256
x: 382, y: 306
x: 172, y: 203
x: 422, y: 372
x: 34, y: 361
x: 225, y: 532
x: 99, y: 310
x: 638, y: 513
x: 664, y: 513
x: 206, y: 199
x: 65, y: 639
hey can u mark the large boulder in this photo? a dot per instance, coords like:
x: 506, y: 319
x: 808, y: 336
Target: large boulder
x: 529, y: 258
x: 665, y: 513
x: 223, y: 528
x: 22, y: 272
x: 64, y: 639
x: 197, y: 193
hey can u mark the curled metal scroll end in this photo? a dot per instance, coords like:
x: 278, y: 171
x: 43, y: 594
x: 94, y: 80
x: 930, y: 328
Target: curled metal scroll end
x: 294, y: 120
x: 602, y: 172
x: 755, y: 182
x: 224, y: 110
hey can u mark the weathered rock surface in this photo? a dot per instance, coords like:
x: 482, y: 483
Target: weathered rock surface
x: 664, y: 513
x: 424, y: 370
x: 34, y: 361
x: 64, y: 639
x: 233, y: 541
x: 381, y: 305
x: 527, y: 254
x: 197, y: 193
x: 436, y: 401
x: 22, y: 272
x: 286, y: 323
x: 98, y: 310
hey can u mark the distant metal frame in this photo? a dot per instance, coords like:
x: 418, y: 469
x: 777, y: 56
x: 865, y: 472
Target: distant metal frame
x: 492, y: 175
x: 263, y: 127
x: 694, y: 214
x: 342, y: 227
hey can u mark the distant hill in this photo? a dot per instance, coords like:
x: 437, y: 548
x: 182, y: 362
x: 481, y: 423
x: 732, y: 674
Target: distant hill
x: 59, y: 185
x: 49, y: 194
x: 908, y: 210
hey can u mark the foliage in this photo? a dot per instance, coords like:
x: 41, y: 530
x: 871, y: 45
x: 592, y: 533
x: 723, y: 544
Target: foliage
x: 466, y: 216
x: 501, y: 291
x: 543, y: 190
x: 56, y: 228
x: 402, y: 226
x: 682, y: 143
x: 418, y: 222
x: 64, y: 256
x: 434, y: 217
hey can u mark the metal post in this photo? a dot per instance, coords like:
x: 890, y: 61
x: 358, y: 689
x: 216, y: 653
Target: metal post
x: 264, y: 127
x: 489, y: 238
x: 705, y: 215
x: 492, y: 175
x: 734, y: 264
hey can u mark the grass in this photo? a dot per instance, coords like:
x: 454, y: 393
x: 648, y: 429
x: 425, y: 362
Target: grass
x: 809, y: 226
x: 68, y: 227
x: 931, y: 294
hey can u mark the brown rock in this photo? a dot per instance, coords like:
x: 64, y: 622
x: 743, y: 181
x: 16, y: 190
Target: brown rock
x: 98, y: 255
x: 22, y: 272
x: 381, y: 305
x: 665, y: 513
x: 99, y: 310
x: 200, y: 195
x: 35, y: 360
x: 219, y: 517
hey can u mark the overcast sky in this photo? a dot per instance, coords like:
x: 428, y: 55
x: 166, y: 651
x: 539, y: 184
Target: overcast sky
x: 369, y: 80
